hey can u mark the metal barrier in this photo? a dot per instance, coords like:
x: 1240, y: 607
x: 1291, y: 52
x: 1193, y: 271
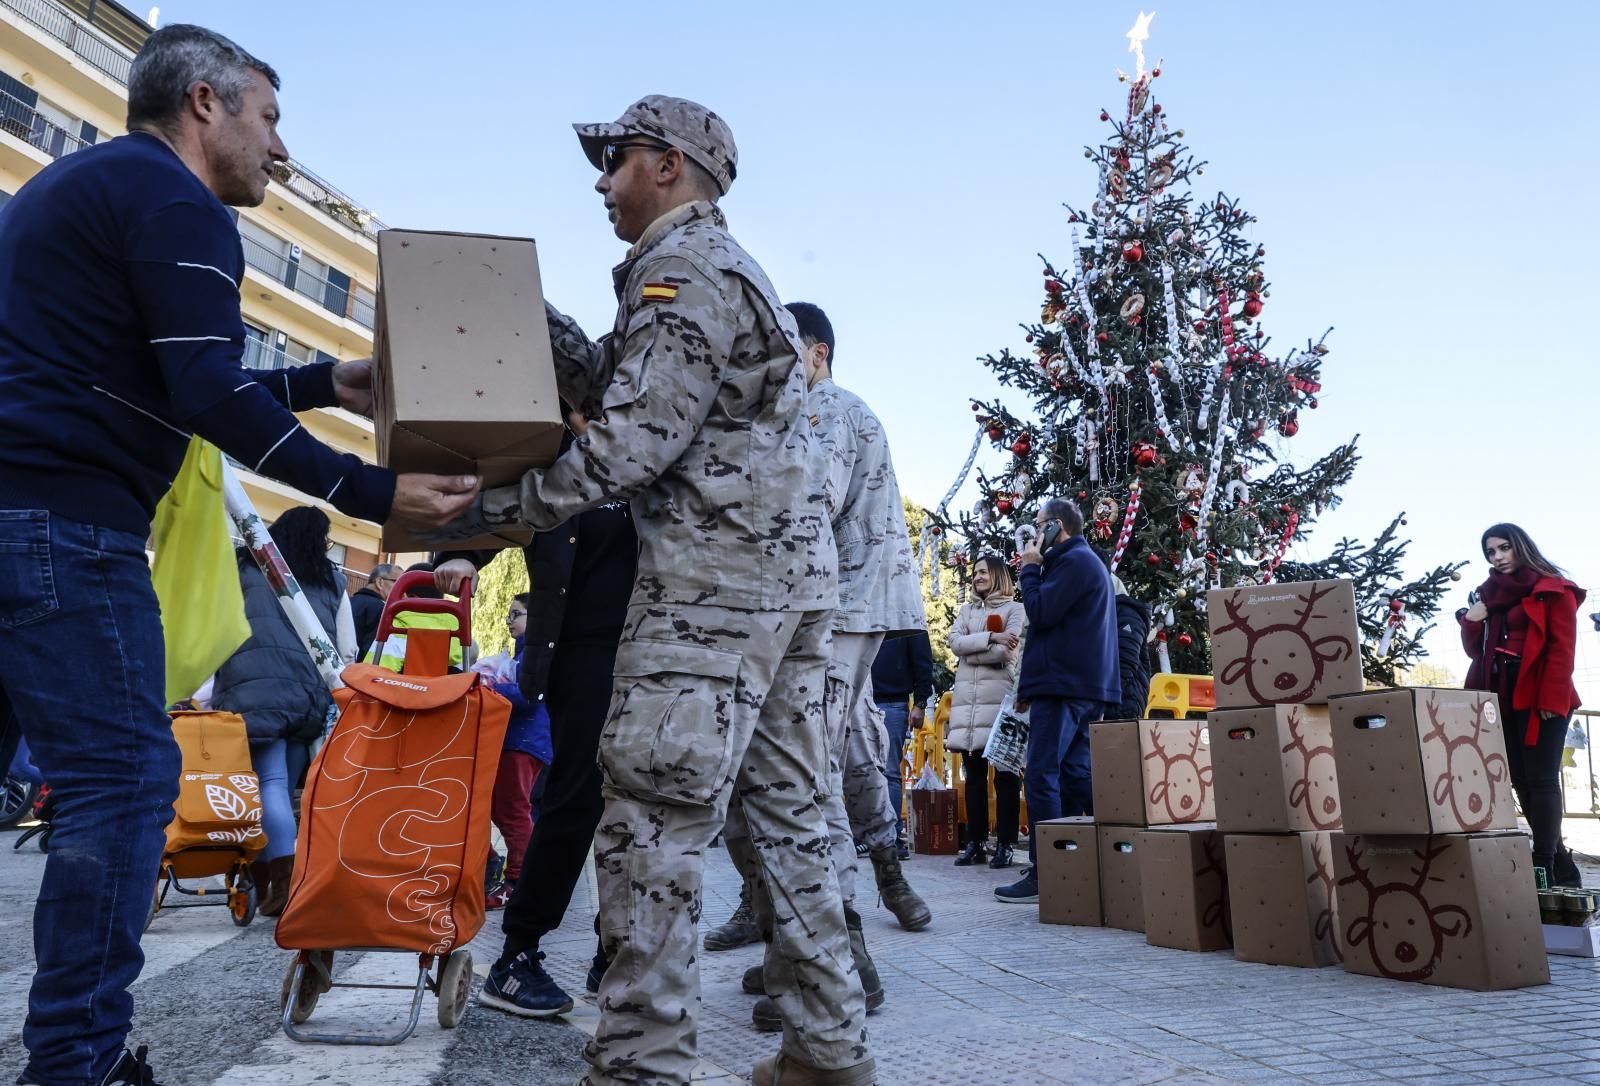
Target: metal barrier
x: 26, y: 123
x: 1588, y: 793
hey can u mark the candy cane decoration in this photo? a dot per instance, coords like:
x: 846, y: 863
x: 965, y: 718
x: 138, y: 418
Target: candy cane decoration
x: 1397, y: 619
x: 1209, y: 495
x: 1283, y: 546
x: 1238, y: 492
x: 1134, y: 493
x: 1093, y: 343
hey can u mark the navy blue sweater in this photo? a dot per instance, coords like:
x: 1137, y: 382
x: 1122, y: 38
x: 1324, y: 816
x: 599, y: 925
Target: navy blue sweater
x: 1071, y: 651
x: 120, y: 337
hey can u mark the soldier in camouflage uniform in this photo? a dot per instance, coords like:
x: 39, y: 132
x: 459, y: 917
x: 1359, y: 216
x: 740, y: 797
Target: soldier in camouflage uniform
x: 699, y: 419
x: 880, y: 595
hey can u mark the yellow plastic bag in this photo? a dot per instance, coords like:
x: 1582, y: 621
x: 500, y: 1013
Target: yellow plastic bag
x: 195, y: 574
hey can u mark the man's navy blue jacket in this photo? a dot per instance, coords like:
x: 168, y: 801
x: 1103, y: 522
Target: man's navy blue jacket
x: 1071, y: 651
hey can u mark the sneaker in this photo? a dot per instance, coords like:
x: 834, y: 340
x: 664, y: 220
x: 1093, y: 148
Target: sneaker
x: 522, y: 987
x: 971, y: 853
x: 1025, y: 891
x: 131, y: 1070
x: 863, y: 850
x: 494, y: 870
x: 1002, y: 857
x: 502, y: 894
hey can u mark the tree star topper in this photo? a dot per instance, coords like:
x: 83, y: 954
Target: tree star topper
x: 1136, y: 39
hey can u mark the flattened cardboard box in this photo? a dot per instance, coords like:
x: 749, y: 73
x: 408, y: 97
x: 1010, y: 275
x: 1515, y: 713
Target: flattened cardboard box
x: 1151, y: 772
x: 934, y: 831
x: 1281, y: 891
x: 1273, y: 769
x: 1422, y: 760
x: 464, y: 382
x: 1069, y: 872
x: 1458, y: 910
x: 1121, y: 885
x: 1184, y: 880
x: 1278, y: 644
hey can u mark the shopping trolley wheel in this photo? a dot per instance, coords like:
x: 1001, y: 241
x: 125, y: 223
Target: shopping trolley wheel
x: 316, y: 979
x: 242, y: 905
x: 455, y: 987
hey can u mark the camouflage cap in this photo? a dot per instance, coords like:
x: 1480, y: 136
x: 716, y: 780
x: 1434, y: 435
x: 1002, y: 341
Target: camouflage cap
x: 688, y: 126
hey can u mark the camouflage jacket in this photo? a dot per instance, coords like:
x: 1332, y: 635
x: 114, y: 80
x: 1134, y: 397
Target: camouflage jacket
x: 880, y: 588
x: 699, y: 405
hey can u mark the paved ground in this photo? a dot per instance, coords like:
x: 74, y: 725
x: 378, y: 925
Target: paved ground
x: 985, y: 997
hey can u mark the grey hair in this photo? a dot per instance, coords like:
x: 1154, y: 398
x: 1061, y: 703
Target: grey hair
x: 174, y: 60
x: 382, y: 569
x: 1068, y: 513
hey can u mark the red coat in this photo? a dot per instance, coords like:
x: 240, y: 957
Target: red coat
x: 1544, y: 684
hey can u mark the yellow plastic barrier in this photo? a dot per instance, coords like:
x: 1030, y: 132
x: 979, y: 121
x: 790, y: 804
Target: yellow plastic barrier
x: 1180, y: 695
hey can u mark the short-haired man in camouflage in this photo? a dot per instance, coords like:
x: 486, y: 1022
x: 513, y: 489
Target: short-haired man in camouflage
x: 880, y: 595
x: 698, y: 409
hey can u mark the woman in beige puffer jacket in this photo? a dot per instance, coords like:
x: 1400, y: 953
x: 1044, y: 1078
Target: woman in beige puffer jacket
x: 985, y: 639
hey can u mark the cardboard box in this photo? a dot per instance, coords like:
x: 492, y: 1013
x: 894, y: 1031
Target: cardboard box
x: 1458, y: 910
x: 1184, y: 880
x: 934, y: 830
x: 1151, y: 772
x: 1121, y: 885
x: 463, y: 380
x: 1281, y: 889
x: 1273, y: 769
x: 1572, y: 942
x: 1422, y: 760
x: 1069, y: 872
x: 1279, y: 644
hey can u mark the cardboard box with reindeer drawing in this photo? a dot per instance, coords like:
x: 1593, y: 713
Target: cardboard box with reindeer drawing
x: 1283, y: 644
x: 1184, y: 880
x: 1281, y: 890
x: 1458, y: 910
x: 1273, y: 769
x: 1421, y: 760
x: 1151, y: 772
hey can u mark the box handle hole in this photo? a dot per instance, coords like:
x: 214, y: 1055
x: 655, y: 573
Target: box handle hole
x: 1372, y: 722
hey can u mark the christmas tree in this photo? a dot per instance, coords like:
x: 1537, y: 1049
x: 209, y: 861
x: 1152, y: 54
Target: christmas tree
x: 1156, y: 402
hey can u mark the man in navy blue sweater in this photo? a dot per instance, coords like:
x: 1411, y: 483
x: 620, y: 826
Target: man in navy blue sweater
x: 120, y: 338
x: 1070, y: 671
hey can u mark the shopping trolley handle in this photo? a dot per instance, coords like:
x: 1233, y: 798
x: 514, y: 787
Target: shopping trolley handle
x: 401, y: 600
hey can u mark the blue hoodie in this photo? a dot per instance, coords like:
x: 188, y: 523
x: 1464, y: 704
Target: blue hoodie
x: 529, y: 730
x: 1071, y: 651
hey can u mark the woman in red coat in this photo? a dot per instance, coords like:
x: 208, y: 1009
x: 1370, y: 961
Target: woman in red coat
x: 1521, y: 632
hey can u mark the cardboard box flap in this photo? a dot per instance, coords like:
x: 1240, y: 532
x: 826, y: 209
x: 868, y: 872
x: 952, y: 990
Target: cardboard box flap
x: 486, y: 440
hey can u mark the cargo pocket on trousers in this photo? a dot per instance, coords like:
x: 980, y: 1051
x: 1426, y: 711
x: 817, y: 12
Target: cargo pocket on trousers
x: 670, y: 731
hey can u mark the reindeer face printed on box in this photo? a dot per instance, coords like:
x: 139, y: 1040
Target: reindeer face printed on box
x: 1325, y: 924
x: 1211, y: 881
x: 1473, y: 779
x: 1403, y: 931
x: 1316, y: 787
x: 1177, y: 772
x: 1287, y: 643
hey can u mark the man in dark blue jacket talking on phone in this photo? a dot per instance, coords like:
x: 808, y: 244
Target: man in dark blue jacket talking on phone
x: 1069, y: 672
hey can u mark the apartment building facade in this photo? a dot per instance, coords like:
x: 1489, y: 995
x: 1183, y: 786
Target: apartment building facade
x: 310, y: 250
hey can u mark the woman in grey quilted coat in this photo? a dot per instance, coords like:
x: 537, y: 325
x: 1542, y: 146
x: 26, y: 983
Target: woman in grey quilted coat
x: 985, y: 638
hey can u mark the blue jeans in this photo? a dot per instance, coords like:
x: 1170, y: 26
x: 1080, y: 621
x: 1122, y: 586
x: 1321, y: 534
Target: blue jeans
x: 279, y: 765
x: 896, y: 715
x: 82, y: 677
x: 1056, y: 780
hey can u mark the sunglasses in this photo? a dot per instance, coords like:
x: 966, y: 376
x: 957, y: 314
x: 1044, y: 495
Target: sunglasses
x: 611, y: 153
x: 512, y: 616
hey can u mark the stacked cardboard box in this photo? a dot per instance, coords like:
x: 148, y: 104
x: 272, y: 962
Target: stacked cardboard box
x: 1280, y: 652
x: 1435, y: 883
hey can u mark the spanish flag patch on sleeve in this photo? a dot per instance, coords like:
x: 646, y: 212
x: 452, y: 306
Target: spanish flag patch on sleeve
x: 659, y: 292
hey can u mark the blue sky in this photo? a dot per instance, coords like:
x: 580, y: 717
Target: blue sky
x: 1423, y: 176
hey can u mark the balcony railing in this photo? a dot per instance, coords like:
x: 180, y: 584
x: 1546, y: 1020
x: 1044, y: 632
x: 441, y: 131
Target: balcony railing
x: 259, y: 355
x: 89, y: 44
x: 21, y: 120
x: 113, y: 60
x: 339, y: 300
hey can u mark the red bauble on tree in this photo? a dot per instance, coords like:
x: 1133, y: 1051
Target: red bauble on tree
x: 1289, y: 424
x: 1252, y: 305
x: 996, y: 432
x: 1003, y: 505
x: 1145, y: 454
x: 1133, y: 252
x: 1185, y: 640
x: 1022, y: 446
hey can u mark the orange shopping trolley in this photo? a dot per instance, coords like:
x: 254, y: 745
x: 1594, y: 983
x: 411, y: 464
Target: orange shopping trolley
x: 394, y: 831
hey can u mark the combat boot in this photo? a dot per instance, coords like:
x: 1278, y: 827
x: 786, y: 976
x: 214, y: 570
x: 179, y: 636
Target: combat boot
x: 912, y: 912
x: 754, y: 981
x: 740, y: 930
x: 785, y: 1070
x: 764, y: 1015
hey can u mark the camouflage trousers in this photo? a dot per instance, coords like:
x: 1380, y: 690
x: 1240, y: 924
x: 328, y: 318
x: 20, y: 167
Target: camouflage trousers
x: 709, y: 704
x: 873, y: 819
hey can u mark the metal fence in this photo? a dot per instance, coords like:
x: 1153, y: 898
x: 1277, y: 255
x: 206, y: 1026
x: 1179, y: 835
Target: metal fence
x: 1580, y: 791
x: 21, y: 120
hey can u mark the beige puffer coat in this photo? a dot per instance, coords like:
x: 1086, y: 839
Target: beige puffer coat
x: 985, y: 672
